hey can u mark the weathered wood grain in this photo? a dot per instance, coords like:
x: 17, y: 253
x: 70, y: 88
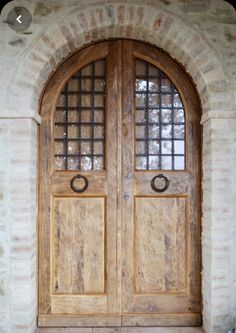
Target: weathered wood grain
x: 160, y: 245
x: 78, y: 245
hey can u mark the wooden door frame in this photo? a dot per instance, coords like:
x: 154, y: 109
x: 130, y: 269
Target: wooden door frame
x: 54, y: 320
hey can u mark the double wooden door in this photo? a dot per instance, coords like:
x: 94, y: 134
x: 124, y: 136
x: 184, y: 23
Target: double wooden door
x: 119, y: 191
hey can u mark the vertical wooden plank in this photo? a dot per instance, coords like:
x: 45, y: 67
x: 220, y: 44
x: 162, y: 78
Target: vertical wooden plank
x: 119, y: 48
x: 127, y: 177
x: 111, y: 166
x: 44, y: 210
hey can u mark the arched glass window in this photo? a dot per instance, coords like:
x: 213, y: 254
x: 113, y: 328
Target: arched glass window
x: 79, y: 121
x: 160, y: 121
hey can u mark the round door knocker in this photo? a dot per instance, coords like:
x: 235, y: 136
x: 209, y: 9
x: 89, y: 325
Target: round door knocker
x: 163, y: 189
x: 79, y: 190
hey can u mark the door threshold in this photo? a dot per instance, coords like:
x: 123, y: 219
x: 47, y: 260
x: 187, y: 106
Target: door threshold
x: 127, y: 320
x: 122, y: 330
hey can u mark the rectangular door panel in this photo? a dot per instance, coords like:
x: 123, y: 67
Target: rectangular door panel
x: 160, y: 245
x: 78, y: 245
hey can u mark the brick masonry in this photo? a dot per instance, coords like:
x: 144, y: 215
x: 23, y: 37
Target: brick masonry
x: 201, y: 35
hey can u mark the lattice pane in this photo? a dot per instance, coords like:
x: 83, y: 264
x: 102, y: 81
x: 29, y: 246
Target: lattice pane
x: 160, y: 121
x: 79, y: 121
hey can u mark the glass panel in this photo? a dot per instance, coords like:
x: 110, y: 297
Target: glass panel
x: 86, y: 148
x: 179, y: 162
x: 99, y: 101
x: 141, y: 147
x: 98, y: 148
x: 154, y: 85
x: 179, y: 147
x: 86, y: 132
x: 86, y: 100
x: 140, y: 132
x: 140, y: 116
x: 177, y: 101
x: 179, y: 116
x: 153, y: 162
x: 152, y: 70
x: 141, y: 163
x: 100, y: 67
x: 61, y: 101
x: 86, y: 84
x: 73, y: 132
x: 73, y: 116
x: 160, y: 121
x: 141, y: 67
x: 60, y: 147
x: 179, y: 131
x: 99, y: 85
x: 73, y: 163
x: 98, y: 117
x: 86, y: 116
x: 166, y: 115
x: 98, y: 163
x: 166, y: 162
x: 79, y: 121
x: 166, y: 131
x: 73, y: 147
x: 154, y: 131
x: 154, y: 147
x: 154, y: 100
x: 141, y: 85
x: 153, y: 115
x: 140, y: 100
x: 165, y: 85
x: 166, y: 147
x: 166, y: 100
x: 72, y: 100
x: 98, y: 132
x: 73, y: 85
x: 88, y: 70
x: 86, y: 163
x: 59, y: 131
x: 60, y: 116
x: 60, y: 163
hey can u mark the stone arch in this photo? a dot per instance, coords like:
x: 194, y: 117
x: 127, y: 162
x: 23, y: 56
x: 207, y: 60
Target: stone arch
x: 92, y: 23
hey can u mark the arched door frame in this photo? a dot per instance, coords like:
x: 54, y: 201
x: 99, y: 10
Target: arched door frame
x: 183, y: 84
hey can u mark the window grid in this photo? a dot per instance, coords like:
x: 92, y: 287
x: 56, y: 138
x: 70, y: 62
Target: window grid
x: 167, y: 131
x: 76, y: 131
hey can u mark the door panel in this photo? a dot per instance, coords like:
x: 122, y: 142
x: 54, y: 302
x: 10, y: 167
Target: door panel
x: 160, y: 230
x: 77, y: 230
x: 78, y: 248
x: 119, y: 244
x: 160, y: 246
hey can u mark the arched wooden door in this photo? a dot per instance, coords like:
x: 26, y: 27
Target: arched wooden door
x: 119, y: 179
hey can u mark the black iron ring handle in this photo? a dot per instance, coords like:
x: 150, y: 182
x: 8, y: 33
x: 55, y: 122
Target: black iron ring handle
x: 79, y: 190
x: 163, y: 189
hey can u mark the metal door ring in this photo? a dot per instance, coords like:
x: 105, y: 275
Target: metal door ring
x: 163, y: 189
x: 79, y: 190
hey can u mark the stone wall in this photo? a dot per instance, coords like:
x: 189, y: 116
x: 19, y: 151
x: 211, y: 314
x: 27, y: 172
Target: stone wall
x: 201, y: 35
